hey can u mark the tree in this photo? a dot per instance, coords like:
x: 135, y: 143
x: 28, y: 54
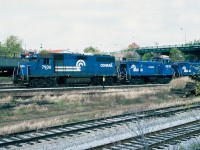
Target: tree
x: 128, y: 55
x: 43, y: 52
x: 191, y: 57
x: 176, y: 55
x: 1, y: 48
x: 12, y: 45
x: 130, y: 52
x: 147, y: 56
x: 194, y: 42
x: 91, y: 50
x: 133, y: 46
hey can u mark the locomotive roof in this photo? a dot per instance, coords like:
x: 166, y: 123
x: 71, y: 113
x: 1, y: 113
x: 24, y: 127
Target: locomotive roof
x: 51, y: 54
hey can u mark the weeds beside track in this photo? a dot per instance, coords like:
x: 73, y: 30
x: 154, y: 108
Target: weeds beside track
x: 67, y: 129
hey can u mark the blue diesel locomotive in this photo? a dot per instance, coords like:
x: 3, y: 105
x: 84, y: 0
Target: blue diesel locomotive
x: 159, y: 70
x: 53, y: 69
x: 187, y: 68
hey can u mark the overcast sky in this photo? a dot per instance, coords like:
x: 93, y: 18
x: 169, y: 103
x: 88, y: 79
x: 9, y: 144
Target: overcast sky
x: 109, y: 25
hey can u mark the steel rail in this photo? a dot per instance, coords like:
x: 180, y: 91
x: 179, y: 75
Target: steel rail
x: 156, y: 139
x: 67, y: 129
x: 78, y: 87
x: 33, y: 91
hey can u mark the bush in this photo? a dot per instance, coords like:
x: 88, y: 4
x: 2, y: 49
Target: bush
x: 197, y: 89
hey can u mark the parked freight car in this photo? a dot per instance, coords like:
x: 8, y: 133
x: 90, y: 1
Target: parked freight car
x: 8, y: 63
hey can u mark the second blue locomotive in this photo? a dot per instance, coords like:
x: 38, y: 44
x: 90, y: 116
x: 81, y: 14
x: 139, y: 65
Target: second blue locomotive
x: 159, y: 70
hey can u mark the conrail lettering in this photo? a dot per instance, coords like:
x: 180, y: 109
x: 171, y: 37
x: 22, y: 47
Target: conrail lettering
x: 106, y: 65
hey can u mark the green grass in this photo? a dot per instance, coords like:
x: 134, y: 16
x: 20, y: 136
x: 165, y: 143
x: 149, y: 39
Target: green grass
x: 5, y: 79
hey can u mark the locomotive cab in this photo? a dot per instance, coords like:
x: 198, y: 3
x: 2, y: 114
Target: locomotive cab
x: 21, y: 74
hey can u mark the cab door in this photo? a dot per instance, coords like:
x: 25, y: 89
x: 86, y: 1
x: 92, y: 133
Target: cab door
x: 28, y: 72
x: 59, y: 63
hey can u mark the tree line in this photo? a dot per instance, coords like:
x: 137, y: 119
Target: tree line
x: 12, y: 45
x: 175, y: 54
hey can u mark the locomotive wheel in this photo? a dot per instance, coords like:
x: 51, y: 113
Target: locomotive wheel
x: 40, y: 82
x: 96, y: 81
x: 54, y: 82
x: 33, y: 83
x: 51, y: 82
x: 48, y: 82
x: 137, y: 81
x: 109, y: 81
x: 167, y: 80
x: 163, y: 80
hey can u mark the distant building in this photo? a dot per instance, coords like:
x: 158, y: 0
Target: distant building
x: 58, y: 51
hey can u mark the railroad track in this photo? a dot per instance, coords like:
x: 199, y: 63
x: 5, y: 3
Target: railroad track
x: 75, y: 128
x: 13, y: 91
x: 159, y: 139
x: 8, y: 86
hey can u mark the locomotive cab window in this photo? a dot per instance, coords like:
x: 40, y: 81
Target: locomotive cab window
x: 46, y: 61
x: 168, y: 62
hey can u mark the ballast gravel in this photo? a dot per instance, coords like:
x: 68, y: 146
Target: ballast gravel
x: 91, y: 138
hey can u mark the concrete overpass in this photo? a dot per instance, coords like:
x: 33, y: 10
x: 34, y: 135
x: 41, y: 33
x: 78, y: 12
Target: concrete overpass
x: 165, y: 49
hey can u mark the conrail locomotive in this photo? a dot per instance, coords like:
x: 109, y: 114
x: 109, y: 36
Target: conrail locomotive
x: 69, y: 69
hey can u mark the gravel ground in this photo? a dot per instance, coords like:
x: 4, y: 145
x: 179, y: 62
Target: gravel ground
x: 90, y: 138
x: 190, y: 144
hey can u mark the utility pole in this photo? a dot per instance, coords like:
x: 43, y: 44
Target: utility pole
x: 184, y: 34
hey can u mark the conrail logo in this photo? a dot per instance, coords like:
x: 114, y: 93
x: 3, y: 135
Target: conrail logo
x: 80, y: 63
x: 185, y: 69
x: 106, y: 65
x: 135, y: 69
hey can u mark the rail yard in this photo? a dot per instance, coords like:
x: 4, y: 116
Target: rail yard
x: 100, y: 75
x: 137, y: 131
x: 109, y: 117
x: 95, y: 102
